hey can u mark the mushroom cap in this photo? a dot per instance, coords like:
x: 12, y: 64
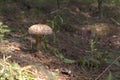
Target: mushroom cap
x: 40, y: 29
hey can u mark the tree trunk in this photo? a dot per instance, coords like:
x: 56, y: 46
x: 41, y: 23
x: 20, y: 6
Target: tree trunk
x: 58, y: 4
x: 100, y: 9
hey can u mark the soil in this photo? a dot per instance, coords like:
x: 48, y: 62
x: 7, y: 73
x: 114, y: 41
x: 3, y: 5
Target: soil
x: 72, y: 39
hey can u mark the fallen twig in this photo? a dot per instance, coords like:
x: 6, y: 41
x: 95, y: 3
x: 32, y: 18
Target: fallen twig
x: 107, y: 68
x: 116, y: 22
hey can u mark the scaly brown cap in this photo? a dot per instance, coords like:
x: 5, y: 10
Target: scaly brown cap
x: 40, y: 29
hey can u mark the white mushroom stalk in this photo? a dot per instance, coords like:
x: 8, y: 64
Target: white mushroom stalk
x: 39, y: 30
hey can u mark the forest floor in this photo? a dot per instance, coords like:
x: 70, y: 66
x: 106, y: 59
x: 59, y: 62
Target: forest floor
x: 72, y: 40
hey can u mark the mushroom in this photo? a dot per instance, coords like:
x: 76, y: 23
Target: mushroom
x: 39, y: 30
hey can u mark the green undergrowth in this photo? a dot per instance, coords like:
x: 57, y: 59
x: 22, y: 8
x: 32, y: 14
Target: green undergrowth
x: 13, y: 71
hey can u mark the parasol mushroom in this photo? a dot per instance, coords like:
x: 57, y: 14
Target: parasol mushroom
x: 39, y: 30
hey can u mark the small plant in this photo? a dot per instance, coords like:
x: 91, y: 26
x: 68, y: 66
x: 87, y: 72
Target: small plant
x: 60, y: 55
x: 56, y: 24
x: 3, y: 30
x: 95, y: 57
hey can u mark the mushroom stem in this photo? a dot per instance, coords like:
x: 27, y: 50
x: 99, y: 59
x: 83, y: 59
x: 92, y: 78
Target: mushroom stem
x: 38, y: 41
